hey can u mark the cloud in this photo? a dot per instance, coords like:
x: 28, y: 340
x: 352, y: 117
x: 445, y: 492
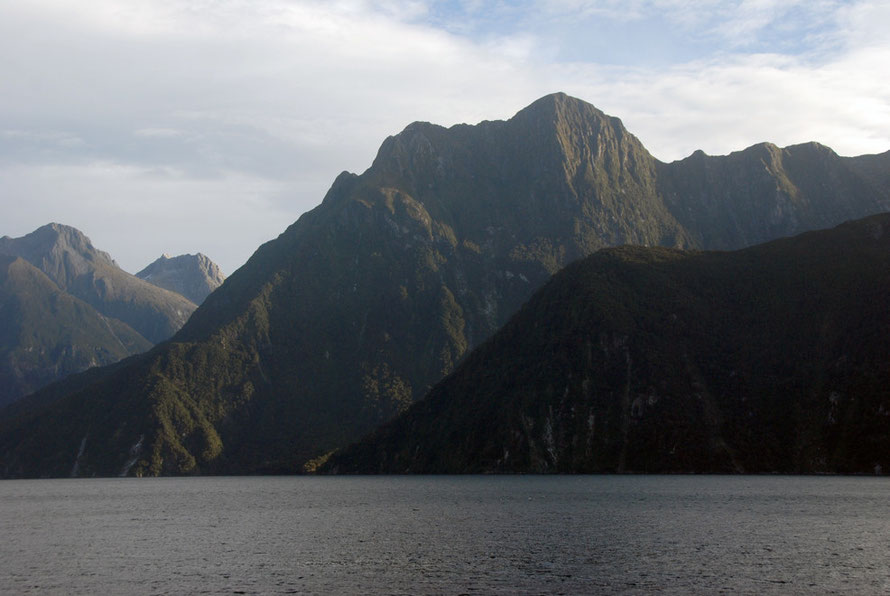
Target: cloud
x: 147, y: 211
x: 274, y: 96
x: 749, y: 17
x: 213, y: 125
x: 725, y: 105
x: 275, y: 76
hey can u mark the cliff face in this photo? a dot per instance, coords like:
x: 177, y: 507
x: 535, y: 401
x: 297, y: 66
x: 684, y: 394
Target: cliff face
x: 365, y: 302
x: 193, y: 276
x: 769, y: 359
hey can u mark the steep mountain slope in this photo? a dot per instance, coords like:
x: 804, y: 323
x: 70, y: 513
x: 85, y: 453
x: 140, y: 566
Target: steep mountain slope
x: 193, y: 276
x: 769, y: 359
x: 68, y: 258
x: 765, y: 192
x: 358, y: 308
x: 46, y: 334
x: 874, y: 168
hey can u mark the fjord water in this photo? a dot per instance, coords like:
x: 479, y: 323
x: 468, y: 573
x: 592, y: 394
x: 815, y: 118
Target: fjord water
x: 446, y: 534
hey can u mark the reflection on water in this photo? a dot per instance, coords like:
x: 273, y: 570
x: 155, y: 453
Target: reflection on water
x: 502, y: 534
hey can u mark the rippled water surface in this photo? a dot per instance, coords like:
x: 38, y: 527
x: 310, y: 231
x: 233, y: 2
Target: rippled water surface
x: 453, y: 535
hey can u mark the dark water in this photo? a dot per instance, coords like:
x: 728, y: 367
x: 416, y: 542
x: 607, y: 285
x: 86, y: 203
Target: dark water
x: 452, y: 535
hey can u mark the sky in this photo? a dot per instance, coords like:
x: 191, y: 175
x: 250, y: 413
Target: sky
x: 184, y: 126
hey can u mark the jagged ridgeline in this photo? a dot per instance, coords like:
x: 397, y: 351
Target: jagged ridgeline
x: 768, y: 359
x: 66, y: 306
x: 364, y: 303
x: 69, y: 259
x: 193, y: 276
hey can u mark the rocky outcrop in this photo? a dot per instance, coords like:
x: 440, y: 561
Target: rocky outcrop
x: 193, y: 276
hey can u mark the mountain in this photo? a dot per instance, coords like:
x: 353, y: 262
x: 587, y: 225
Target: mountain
x: 67, y: 307
x: 768, y: 359
x: 874, y: 168
x: 765, y: 192
x: 193, y: 276
x: 364, y: 303
x: 69, y: 259
x: 47, y: 334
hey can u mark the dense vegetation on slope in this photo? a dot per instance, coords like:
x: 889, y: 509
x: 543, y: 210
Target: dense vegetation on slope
x: 46, y: 334
x: 358, y: 308
x: 769, y: 359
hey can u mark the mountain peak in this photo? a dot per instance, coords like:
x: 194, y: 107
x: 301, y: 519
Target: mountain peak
x: 70, y: 260
x: 558, y: 101
x: 54, y: 247
x: 192, y: 276
x: 562, y: 108
x: 565, y: 128
x: 66, y: 236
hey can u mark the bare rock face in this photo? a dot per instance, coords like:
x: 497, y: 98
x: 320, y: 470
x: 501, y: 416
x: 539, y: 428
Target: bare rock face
x: 68, y: 258
x: 63, y: 253
x: 193, y: 276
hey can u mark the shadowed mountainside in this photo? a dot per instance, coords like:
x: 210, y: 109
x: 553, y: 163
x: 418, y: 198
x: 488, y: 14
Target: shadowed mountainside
x: 769, y: 359
x: 365, y: 302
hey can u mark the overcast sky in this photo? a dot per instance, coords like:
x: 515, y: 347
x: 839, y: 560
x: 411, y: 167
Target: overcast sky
x: 186, y: 126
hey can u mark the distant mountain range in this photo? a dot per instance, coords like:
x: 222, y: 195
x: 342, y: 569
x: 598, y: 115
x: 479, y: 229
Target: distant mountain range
x: 771, y: 359
x: 368, y: 300
x: 67, y: 306
x: 67, y: 257
x: 47, y: 334
x: 192, y: 276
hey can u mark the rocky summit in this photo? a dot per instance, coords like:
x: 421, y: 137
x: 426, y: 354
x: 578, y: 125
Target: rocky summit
x: 771, y: 359
x: 193, y: 276
x: 67, y: 307
x: 69, y: 259
x: 368, y: 300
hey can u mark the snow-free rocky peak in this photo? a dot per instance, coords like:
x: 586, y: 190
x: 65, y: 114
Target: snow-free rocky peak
x: 193, y: 276
x: 62, y: 252
x: 69, y: 259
